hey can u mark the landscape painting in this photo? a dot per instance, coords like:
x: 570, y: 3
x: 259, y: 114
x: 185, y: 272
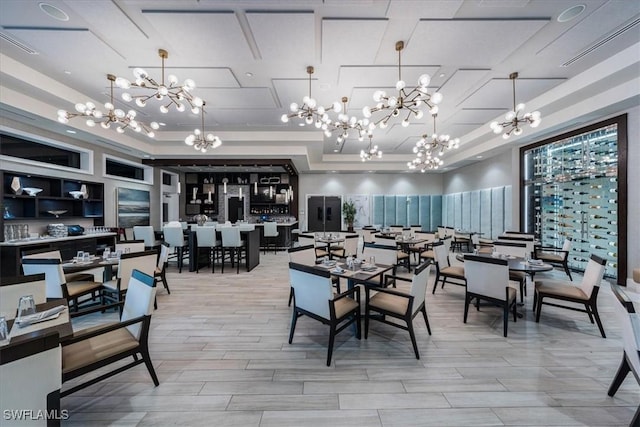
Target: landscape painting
x: 133, y: 207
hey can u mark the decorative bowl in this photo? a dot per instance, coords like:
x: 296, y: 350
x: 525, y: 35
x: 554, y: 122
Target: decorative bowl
x: 32, y: 191
x: 57, y: 213
x: 76, y: 194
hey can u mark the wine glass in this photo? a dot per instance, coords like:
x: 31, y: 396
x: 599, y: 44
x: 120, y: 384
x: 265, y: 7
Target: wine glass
x: 4, y: 332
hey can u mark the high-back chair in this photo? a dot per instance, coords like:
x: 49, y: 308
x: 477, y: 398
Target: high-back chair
x: 232, y: 243
x: 271, y: 234
x: 629, y: 320
x: 306, y: 239
x: 93, y: 275
x: 349, y: 248
x: 529, y: 241
x: 586, y: 293
x: 313, y: 296
x: 555, y: 256
x: 147, y: 235
x: 56, y: 284
x: 160, y: 272
x: 12, y: 288
x: 404, y: 306
x: 128, y: 233
x: 96, y: 348
x: 305, y: 255
x: 448, y: 273
x: 402, y: 258
x: 396, y: 228
x: 488, y: 279
x: 515, y: 249
x: 174, y: 236
x: 130, y: 246
x: 415, y: 228
x: 207, y: 240
x: 384, y: 254
x: 115, y: 289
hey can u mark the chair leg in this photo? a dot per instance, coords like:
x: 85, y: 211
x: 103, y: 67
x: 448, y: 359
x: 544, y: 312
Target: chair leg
x: 588, y: 310
x: 426, y: 319
x: 238, y: 264
x: 332, y: 337
x: 180, y: 259
x: 522, y: 289
x: 466, y: 307
x: 538, y: 307
x: 505, y: 318
x: 435, y: 284
x: 294, y: 320
x: 535, y: 299
x: 566, y: 270
x: 594, y: 308
x: 198, y: 259
x: 366, y: 319
x: 290, y: 296
x: 623, y: 370
x: 163, y: 276
x: 412, y: 335
x: 147, y: 361
x: 222, y: 261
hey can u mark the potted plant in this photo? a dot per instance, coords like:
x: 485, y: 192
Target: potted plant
x: 349, y: 212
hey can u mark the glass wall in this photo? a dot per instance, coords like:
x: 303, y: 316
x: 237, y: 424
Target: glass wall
x: 570, y: 190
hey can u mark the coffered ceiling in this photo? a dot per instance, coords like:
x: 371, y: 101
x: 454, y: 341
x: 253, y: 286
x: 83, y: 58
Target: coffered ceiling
x: 248, y: 59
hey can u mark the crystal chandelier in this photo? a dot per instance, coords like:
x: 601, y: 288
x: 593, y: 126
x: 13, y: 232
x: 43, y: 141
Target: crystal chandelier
x: 371, y: 152
x: 309, y: 111
x: 113, y: 115
x: 429, y: 149
x: 199, y: 141
x: 172, y: 94
x: 407, y: 103
x: 512, y: 122
x: 345, y: 123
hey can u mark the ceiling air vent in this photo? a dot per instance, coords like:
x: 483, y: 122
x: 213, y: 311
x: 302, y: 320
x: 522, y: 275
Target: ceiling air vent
x: 602, y: 42
x: 18, y: 44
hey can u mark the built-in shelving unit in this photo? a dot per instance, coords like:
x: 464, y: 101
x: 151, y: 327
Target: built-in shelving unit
x: 53, y: 202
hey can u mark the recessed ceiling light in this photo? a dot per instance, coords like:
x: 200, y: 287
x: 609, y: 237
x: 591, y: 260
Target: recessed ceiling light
x: 571, y: 13
x: 248, y: 74
x: 336, y: 150
x: 67, y: 72
x: 71, y: 131
x: 301, y: 124
x: 53, y: 12
x: 162, y: 124
x: 478, y: 157
x: 442, y: 74
x: 146, y: 156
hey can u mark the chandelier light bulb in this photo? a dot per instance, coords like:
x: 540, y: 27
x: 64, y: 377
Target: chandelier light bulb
x: 180, y: 107
x: 424, y: 80
x: 436, y: 98
x: 123, y: 83
x: 173, y: 80
x: 405, y: 123
x: 109, y: 106
x: 140, y: 102
x: 366, y: 111
x: 120, y: 129
x: 400, y: 84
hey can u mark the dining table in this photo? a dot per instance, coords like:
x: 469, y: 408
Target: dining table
x: 94, y: 262
x: 30, y: 365
x: 329, y: 240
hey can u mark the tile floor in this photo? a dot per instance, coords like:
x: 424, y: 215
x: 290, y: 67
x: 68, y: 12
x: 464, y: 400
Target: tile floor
x: 219, y: 346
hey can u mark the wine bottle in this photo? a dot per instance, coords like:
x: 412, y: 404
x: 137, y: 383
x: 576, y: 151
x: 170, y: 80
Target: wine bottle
x: 613, y: 212
x: 597, y: 247
x: 596, y: 216
x: 580, y: 259
x: 595, y: 236
x: 613, y: 190
x: 579, y: 202
x: 612, y: 233
x: 613, y: 254
x: 612, y: 222
x: 613, y: 243
x: 580, y: 193
x: 598, y: 227
x: 596, y: 186
x: 565, y: 216
x: 614, y: 201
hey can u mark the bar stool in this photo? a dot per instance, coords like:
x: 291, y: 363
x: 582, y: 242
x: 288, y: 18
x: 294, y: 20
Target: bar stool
x: 207, y: 239
x: 271, y: 235
x: 231, y: 242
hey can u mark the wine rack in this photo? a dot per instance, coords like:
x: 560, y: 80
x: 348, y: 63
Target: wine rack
x: 571, y: 191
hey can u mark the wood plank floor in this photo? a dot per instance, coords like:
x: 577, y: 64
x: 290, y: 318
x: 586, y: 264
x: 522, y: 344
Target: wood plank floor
x: 219, y: 346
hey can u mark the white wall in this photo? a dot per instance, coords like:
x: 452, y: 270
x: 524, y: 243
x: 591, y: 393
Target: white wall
x: 492, y: 172
x: 365, y: 183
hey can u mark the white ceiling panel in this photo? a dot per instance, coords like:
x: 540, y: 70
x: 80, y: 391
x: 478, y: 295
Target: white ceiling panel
x: 460, y: 83
x: 242, y: 117
x: 351, y: 41
x: 437, y: 41
x: 436, y: 9
x: 610, y: 15
x: 380, y: 76
x: 222, y: 38
x: 108, y: 18
x: 498, y: 93
x: 284, y: 36
x: 250, y: 97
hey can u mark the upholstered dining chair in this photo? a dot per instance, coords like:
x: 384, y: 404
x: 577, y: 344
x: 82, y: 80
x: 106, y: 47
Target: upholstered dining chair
x: 444, y: 270
x: 555, y: 256
x: 349, y: 248
x: 96, y: 348
x: 519, y: 250
x: 232, y: 243
x: 629, y: 320
x: 306, y: 239
x: 93, y: 275
x: 270, y: 230
x: 147, y: 235
x: 402, y: 258
x: 160, y: 273
x: 207, y: 240
x: 404, y: 306
x: 313, y: 296
x: 586, y: 293
x: 488, y: 279
x: 12, y: 288
x: 57, y: 286
x: 115, y: 290
x: 174, y: 236
x: 305, y: 255
x: 383, y: 254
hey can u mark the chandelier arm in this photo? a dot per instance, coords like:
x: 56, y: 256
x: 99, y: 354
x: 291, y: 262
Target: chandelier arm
x: 513, y: 80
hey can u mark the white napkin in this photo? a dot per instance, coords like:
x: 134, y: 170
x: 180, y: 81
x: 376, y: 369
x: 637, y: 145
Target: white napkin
x: 52, y: 313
